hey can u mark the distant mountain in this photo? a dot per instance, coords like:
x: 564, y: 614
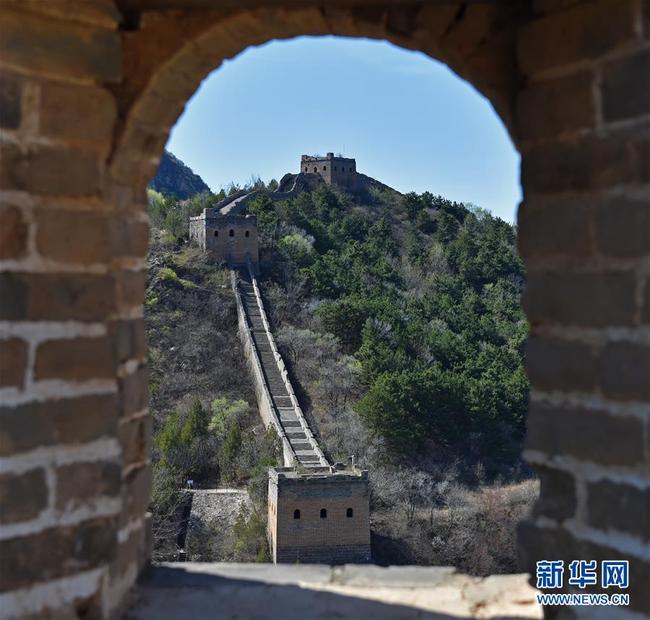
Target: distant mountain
x: 176, y: 179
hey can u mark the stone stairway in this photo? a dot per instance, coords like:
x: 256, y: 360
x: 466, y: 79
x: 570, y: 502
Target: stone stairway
x: 304, y: 446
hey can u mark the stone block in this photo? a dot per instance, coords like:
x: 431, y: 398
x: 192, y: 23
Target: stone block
x: 622, y: 227
x: 554, y: 364
x: 73, y: 236
x: 620, y: 507
x: 13, y: 360
x: 134, y: 392
x: 136, y: 491
x: 56, y: 552
x: 55, y: 297
x: 581, y: 298
x: 583, y: 32
x: 590, y: 162
x: 624, y: 371
x: 13, y: 233
x: 78, y: 485
x: 59, y: 48
x: 74, y: 359
x: 587, y: 435
x: 85, y: 114
x: 128, y: 339
x: 550, y: 108
x: 51, y: 170
x: 22, y: 496
x: 69, y: 421
x: 626, y: 87
x: 136, y: 439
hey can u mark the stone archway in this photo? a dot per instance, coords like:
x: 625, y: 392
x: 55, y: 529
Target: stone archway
x: 89, y: 93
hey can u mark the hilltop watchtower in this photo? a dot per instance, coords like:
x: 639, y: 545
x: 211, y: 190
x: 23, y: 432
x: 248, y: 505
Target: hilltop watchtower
x: 334, y: 170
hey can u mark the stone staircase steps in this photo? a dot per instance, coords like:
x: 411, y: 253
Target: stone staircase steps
x: 304, y: 447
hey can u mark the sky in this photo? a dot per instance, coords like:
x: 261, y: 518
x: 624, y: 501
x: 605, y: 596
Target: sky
x: 408, y: 120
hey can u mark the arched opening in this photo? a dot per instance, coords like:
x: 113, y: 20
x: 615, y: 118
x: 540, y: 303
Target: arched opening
x: 323, y: 513
x: 216, y: 233
x: 349, y: 513
x: 231, y: 233
x: 575, y: 257
x: 296, y: 514
x: 247, y: 233
x: 409, y: 223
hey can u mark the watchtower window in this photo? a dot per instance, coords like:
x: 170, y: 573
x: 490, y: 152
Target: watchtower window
x: 349, y: 513
x: 324, y: 167
x: 296, y: 514
x: 216, y: 233
x: 342, y: 169
x: 247, y: 233
x: 334, y: 168
x: 315, y: 169
x: 231, y: 233
x: 323, y: 513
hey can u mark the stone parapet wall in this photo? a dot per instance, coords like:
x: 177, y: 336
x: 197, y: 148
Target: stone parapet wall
x: 89, y: 92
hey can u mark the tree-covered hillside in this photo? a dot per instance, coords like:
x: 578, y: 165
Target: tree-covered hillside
x: 400, y: 321
x: 423, y: 294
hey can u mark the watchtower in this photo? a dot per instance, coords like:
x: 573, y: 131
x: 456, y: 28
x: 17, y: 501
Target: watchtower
x: 231, y: 238
x: 319, y: 517
x: 334, y: 170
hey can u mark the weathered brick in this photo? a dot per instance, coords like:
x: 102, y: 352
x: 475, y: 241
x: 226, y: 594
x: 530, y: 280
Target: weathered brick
x: 70, y: 550
x: 136, y: 490
x: 79, y: 484
x: 134, y: 391
x: 622, y: 227
x: 10, y: 101
x: 555, y: 226
x: 65, y: 49
x: 587, y: 299
x: 588, y: 435
x: 73, y: 236
x: 128, y: 338
x: 625, y: 371
x: 588, y: 162
x: 135, y: 438
x: 77, y: 113
x: 129, y: 553
x: 49, y: 170
x: 557, y: 499
x: 67, y: 421
x: 632, y: 508
x: 94, y: 12
x: 548, y: 109
x: 560, y: 365
x: 626, y: 87
x: 53, y: 297
x: 13, y: 233
x: 22, y: 496
x: 75, y: 359
x: 130, y: 287
x: 13, y: 360
x: 583, y: 32
x: 129, y: 238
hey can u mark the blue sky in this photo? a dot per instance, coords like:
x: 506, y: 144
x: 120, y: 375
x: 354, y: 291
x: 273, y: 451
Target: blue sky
x: 408, y: 120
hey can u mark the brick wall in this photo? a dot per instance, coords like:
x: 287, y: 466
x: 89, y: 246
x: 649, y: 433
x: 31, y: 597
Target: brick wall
x: 87, y: 98
x: 335, y: 538
x: 583, y: 119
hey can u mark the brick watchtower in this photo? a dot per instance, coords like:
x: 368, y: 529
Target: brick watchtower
x: 319, y: 517
x: 341, y: 171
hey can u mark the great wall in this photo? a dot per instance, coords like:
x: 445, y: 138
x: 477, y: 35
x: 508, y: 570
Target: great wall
x: 317, y: 511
